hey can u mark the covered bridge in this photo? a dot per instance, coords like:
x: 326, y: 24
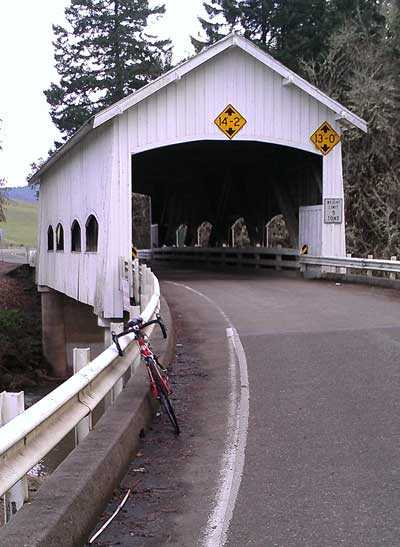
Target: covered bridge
x: 230, y: 132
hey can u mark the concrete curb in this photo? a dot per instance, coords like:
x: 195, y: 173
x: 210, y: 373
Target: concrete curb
x: 68, y: 505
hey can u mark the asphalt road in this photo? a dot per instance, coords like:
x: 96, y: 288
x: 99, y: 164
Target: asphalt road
x: 307, y: 452
x: 287, y: 392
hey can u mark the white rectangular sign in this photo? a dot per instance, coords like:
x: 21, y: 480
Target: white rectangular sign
x: 333, y: 208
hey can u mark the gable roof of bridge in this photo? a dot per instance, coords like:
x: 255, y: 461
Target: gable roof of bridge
x: 232, y: 40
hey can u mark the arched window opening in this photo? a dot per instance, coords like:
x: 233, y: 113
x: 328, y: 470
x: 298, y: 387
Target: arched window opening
x: 92, y: 234
x: 59, y: 238
x: 50, y: 238
x: 76, y: 237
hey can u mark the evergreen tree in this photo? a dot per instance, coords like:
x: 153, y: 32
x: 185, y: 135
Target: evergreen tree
x: 361, y: 70
x: 290, y: 30
x: 223, y: 15
x: 102, y: 55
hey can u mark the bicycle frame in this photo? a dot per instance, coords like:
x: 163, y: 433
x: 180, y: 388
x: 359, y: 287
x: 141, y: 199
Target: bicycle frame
x: 148, y: 356
x: 158, y: 375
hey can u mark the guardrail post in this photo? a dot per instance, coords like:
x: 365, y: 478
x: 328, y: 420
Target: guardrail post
x: 136, y: 281
x: 369, y: 272
x: 81, y: 358
x: 108, y: 327
x: 145, y: 287
x: 278, y: 259
x: 116, y: 390
x: 134, y: 312
x: 348, y: 270
x: 392, y: 275
x: 12, y: 404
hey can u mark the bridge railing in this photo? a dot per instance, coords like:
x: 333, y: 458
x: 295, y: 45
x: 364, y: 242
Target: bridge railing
x: 278, y: 258
x: 18, y: 255
x: 29, y: 437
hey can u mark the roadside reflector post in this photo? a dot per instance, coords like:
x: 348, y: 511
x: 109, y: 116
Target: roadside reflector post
x: 81, y: 358
x: 11, y: 405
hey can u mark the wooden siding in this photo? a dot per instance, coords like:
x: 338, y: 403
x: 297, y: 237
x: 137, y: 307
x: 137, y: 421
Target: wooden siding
x: 185, y: 110
x: 84, y: 182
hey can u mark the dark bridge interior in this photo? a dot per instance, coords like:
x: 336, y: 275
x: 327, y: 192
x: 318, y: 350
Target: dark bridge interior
x: 222, y: 181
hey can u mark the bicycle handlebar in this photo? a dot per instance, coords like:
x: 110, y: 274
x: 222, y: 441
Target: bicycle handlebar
x: 136, y: 325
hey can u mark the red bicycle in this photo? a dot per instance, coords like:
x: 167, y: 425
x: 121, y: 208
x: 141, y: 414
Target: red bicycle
x: 158, y: 375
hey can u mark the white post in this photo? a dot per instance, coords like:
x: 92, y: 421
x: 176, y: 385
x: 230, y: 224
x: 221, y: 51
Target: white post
x: 108, y: 327
x: 11, y: 405
x: 369, y: 272
x: 392, y: 275
x: 348, y: 270
x: 136, y: 281
x: 134, y: 312
x: 116, y: 390
x: 81, y: 358
x: 145, y: 288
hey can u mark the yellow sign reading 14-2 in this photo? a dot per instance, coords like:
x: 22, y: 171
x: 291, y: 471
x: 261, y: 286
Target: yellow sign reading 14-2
x: 230, y: 121
x: 325, y: 138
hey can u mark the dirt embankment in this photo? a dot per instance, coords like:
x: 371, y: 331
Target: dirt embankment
x: 21, y: 359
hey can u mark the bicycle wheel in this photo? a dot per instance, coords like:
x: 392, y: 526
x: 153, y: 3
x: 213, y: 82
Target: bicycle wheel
x: 165, y: 401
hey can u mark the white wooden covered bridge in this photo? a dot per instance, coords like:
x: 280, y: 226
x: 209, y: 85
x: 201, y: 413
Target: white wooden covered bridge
x: 230, y: 123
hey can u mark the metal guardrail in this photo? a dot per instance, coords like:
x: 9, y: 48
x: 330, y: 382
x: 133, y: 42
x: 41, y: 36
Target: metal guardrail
x: 18, y: 255
x: 26, y: 439
x: 277, y: 258
x: 345, y: 265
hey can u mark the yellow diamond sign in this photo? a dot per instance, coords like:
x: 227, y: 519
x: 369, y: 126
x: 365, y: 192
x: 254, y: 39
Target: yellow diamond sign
x: 325, y: 138
x: 230, y: 121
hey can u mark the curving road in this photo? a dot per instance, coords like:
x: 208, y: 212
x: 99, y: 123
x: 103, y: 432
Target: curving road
x: 298, y: 423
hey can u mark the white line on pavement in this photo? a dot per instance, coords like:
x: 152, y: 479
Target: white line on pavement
x: 232, y: 463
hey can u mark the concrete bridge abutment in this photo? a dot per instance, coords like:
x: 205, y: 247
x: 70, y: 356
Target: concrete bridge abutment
x: 67, y: 323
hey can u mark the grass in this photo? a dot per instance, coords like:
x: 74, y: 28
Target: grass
x: 20, y: 227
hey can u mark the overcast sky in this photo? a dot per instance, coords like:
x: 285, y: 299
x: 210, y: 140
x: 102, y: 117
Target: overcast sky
x: 26, y: 69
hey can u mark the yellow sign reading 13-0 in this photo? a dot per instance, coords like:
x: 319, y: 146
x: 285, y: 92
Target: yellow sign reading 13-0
x: 230, y: 121
x: 325, y: 138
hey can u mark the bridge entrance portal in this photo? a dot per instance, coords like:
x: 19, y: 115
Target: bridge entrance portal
x: 219, y: 182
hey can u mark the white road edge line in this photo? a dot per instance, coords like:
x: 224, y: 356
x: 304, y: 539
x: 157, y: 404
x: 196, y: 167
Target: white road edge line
x: 232, y: 463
